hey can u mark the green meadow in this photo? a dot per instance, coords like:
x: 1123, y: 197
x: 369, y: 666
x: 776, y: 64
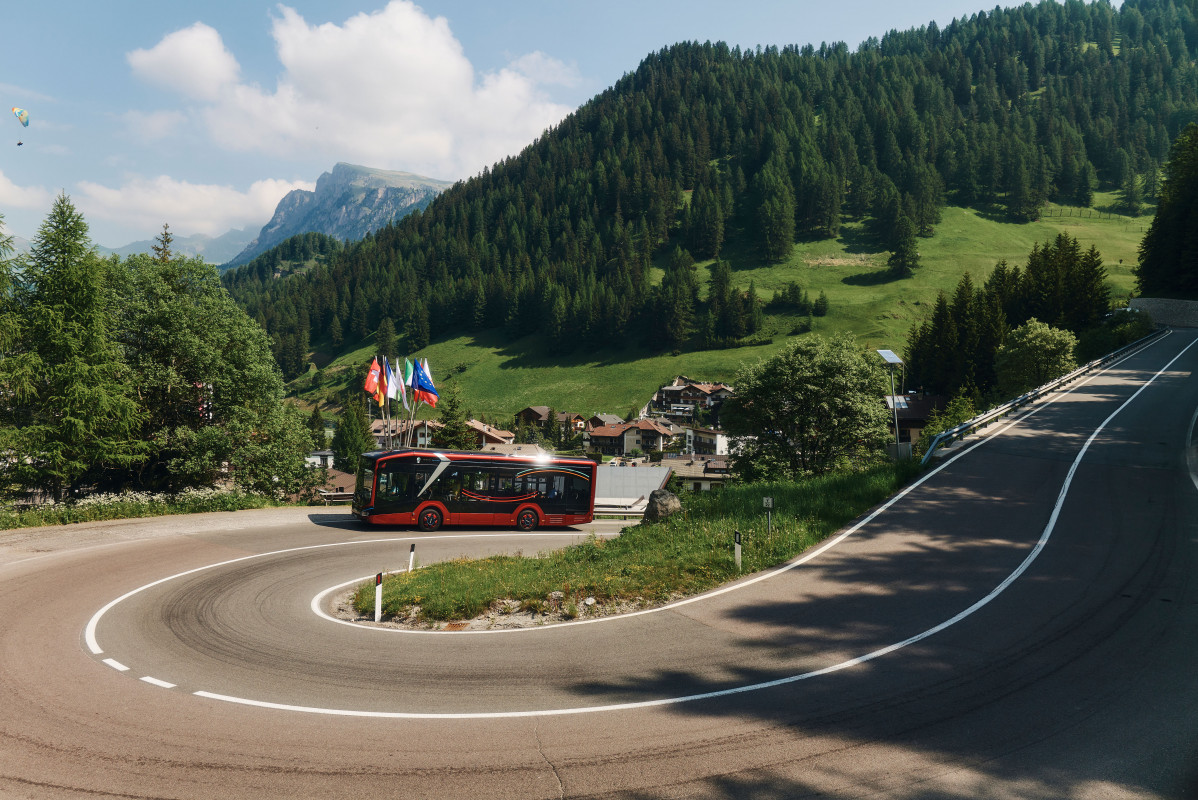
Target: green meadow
x: 499, y: 377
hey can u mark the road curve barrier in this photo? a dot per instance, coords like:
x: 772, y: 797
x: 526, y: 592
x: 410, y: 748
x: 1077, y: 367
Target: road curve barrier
x: 998, y: 412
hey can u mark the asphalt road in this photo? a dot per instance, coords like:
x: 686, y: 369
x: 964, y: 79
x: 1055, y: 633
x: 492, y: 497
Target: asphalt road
x: 1022, y: 624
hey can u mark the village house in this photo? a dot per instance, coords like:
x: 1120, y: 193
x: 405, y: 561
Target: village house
x: 698, y: 473
x: 603, y: 420
x: 533, y: 416
x: 681, y: 400
x: 488, y: 434
x: 913, y: 410
x: 571, y: 423
x: 705, y: 441
x: 424, y: 432
x: 644, y: 435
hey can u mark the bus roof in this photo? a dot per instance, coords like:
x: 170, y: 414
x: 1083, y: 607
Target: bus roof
x: 475, y: 455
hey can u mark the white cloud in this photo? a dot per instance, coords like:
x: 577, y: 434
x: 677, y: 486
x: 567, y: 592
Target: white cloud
x: 154, y: 125
x: 32, y: 197
x: 541, y: 68
x: 187, y: 207
x: 390, y: 89
x: 193, y: 61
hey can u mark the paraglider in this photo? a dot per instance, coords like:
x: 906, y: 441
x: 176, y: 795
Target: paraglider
x: 22, y: 117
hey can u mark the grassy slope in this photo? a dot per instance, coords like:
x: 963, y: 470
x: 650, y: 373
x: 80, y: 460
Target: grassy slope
x: 499, y: 378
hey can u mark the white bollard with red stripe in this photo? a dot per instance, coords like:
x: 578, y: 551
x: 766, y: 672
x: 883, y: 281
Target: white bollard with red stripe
x: 378, y: 597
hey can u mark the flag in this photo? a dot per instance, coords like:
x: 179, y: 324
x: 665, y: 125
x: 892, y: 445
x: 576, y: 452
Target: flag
x: 380, y: 392
x: 405, y: 382
x: 372, y: 377
x: 422, y: 386
x: 392, y: 383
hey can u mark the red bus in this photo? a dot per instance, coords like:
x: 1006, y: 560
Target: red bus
x: 429, y: 488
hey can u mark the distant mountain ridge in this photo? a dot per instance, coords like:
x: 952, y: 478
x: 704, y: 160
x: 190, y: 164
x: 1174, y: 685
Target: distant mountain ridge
x: 213, y: 249
x: 348, y: 203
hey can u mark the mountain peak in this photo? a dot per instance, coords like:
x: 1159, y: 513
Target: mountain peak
x: 349, y: 202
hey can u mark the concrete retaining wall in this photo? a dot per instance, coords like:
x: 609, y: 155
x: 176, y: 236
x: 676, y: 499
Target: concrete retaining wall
x: 1175, y: 313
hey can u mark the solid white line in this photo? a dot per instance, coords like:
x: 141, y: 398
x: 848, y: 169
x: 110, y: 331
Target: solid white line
x: 1010, y: 579
x: 116, y: 664
x: 737, y: 690
x: 317, y: 601
x: 89, y: 633
x: 1191, y: 450
x: 157, y: 682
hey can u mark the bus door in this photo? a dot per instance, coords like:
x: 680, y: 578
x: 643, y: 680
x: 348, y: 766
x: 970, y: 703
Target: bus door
x: 475, y: 502
x: 396, y: 488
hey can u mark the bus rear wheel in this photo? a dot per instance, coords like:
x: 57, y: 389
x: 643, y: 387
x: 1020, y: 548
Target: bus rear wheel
x: 527, y: 520
x: 430, y: 519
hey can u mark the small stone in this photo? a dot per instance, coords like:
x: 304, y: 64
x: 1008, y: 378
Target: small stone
x: 590, y: 601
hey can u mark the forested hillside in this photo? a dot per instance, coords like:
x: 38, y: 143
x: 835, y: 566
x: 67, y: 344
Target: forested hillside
x: 589, y: 236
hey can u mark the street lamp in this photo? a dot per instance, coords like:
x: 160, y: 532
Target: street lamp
x: 891, y: 360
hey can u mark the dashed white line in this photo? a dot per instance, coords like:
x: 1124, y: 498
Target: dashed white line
x: 112, y: 662
x: 157, y: 682
x: 1010, y: 579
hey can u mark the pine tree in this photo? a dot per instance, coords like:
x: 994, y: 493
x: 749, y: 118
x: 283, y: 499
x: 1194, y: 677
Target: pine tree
x: 385, y: 340
x: 455, y: 434
x: 1169, y: 251
x: 316, y: 427
x: 353, y: 436
x: 78, y: 418
x: 905, y: 257
x: 1130, y: 196
x: 820, y: 307
x: 162, y: 244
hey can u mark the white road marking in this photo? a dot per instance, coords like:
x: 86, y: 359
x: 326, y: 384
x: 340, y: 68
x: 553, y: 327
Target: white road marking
x: 116, y: 664
x: 1191, y: 450
x: 157, y: 682
x: 1010, y: 579
x: 852, y: 662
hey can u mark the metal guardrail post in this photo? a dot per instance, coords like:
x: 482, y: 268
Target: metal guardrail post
x: 998, y: 411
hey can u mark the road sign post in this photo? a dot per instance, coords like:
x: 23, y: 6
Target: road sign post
x: 769, y: 505
x: 736, y: 548
x: 378, y: 597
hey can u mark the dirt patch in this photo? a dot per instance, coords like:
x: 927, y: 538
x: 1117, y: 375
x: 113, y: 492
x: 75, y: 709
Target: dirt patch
x: 841, y: 261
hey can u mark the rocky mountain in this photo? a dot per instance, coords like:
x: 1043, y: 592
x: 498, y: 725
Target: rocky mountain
x: 213, y: 249
x: 348, y: 203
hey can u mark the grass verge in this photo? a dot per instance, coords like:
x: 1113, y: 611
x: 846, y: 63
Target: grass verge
x: 131, y: 505
x: 650, y: 563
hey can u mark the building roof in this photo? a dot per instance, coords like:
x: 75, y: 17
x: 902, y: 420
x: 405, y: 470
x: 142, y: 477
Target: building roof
x: 488, y: 430
x: 697, y: 468
x: 542, y: 412
x: 610, y: 431
x: 915, y: 406
x: 514, y: 449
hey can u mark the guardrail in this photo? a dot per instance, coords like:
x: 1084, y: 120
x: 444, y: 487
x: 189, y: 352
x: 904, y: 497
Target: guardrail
x: 336, y: 497
x: 622, y: 510
x: 969, y: 426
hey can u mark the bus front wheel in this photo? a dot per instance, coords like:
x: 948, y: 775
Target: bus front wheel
x: 430, y: 519
x: 527, y: 520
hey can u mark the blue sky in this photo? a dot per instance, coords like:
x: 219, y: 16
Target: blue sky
x: 203, y: 115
